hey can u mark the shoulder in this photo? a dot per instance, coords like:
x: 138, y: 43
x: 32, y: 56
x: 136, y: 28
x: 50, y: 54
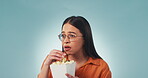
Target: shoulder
x: 100, y: 67
x: 100, y: 63
x: 104, y: 68
x: 97, y: 61
x: 104, y: 65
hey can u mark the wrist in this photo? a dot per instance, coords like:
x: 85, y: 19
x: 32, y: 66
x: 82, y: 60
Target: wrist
x: 47, y: 65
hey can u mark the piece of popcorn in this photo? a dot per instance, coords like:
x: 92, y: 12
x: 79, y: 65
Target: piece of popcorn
x: 64, y: 61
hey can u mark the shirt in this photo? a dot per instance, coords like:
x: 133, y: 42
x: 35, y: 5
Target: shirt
x: 93, y: 68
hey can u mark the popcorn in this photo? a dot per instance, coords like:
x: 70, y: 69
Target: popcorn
x: 60, y: 68
x: 64, y: 61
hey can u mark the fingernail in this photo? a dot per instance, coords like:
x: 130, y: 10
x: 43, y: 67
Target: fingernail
x: 64, y: 54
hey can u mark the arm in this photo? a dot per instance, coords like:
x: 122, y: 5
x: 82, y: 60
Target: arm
x: 44, y: 72
x: 54, y: 55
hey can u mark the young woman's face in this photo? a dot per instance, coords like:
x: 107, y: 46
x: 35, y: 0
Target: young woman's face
x: 72, y: 39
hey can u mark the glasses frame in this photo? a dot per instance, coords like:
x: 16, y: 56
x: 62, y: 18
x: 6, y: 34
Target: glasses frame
x: 67, y: 37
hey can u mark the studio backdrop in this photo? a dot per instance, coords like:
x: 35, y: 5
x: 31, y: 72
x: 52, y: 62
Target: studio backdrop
x: 29, y: 30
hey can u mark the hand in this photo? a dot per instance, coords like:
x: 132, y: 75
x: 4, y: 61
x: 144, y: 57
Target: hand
x: 54, y: 55
x: 70, y: 76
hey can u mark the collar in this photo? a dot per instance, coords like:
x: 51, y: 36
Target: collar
x: 92, y: 61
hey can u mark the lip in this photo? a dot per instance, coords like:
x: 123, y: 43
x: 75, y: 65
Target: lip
x: 67, y: 48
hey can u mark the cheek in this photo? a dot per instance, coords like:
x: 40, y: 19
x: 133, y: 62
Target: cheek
x: 78, y: 45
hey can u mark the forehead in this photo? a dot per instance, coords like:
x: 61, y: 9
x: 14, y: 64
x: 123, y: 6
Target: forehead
x: 68, y: 28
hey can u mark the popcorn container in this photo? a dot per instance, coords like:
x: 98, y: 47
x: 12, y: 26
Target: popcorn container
x: 59, y: 70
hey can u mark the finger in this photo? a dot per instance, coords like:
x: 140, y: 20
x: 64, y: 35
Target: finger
x: 52, y: 58
x: 60, y: 52
x: 56, y: 55
x: 69, y: 76
x: 54, y: 50
x: 57, y: 52
x: 60, y: 55
x: 56, y: 58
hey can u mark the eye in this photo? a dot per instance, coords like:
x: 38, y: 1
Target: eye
x: 63, y: 36
x: 72, y: 36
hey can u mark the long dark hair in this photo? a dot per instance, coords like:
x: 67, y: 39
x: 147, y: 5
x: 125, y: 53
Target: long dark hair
x: 82, y: 24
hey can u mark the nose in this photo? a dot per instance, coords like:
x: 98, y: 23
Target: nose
x: 66, y: 40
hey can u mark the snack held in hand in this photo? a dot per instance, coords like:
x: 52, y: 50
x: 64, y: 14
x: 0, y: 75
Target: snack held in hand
x: 64, y: 61
x: 60, y: 68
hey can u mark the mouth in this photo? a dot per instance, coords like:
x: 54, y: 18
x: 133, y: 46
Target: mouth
x: 67, y: 48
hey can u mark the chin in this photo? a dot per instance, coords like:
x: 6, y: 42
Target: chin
x: 69, y: 52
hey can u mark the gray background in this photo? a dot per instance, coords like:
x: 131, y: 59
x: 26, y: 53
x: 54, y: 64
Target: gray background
x: 29, y: 29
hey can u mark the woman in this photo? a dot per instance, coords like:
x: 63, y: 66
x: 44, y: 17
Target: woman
x: 77, y: 43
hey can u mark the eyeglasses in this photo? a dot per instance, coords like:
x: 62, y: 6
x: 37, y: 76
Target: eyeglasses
x: 71, y: 37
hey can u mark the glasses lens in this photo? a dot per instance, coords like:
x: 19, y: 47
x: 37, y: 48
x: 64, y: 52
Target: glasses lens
x: 60, y: 36
x: 71, y: 37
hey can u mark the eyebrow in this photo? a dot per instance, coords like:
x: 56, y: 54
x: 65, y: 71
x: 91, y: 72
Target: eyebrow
x: 69, y: 32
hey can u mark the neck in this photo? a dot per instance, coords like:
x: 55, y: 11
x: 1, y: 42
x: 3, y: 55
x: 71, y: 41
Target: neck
x: 78, y: 58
